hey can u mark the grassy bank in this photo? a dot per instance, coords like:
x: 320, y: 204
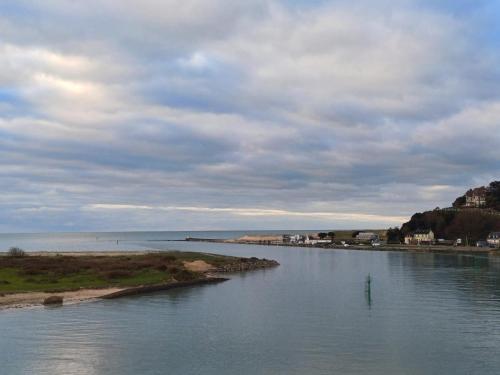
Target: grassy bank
x: 57, y: 273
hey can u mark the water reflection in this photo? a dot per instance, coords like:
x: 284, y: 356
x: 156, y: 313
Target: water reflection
x: 368, y: 290
x: 474, y: 278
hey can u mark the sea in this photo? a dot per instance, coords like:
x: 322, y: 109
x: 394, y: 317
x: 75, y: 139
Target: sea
x: 320, y: 312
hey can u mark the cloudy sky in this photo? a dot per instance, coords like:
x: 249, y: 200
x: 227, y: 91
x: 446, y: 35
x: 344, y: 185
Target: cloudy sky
x: 212, y: 114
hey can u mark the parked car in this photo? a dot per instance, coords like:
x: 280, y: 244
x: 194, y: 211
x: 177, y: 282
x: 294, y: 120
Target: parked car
x: 482, y: 244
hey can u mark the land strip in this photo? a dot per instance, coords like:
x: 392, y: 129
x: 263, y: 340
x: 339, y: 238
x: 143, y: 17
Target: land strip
x: 28, y: 280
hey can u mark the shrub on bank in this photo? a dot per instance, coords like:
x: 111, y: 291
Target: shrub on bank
x: 185, y: 275
x: 162, y: 267
x: 117, y: 274
x: 16, y: 252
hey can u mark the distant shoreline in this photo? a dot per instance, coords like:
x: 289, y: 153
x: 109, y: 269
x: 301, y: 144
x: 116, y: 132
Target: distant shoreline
x: 436, y: 249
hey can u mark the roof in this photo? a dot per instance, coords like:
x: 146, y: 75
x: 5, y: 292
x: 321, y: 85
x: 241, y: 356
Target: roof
x: 422, y: 231
x: 477, y: 191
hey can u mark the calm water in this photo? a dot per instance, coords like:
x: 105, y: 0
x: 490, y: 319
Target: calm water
x: 427, y: 314
x: 111, y: 240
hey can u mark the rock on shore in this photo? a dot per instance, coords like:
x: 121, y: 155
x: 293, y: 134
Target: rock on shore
x: 53, y: 300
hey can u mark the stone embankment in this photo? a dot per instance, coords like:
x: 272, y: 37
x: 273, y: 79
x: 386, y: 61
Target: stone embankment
x: 248, y: 264
x: 243, y: 264
x: 161, y: 287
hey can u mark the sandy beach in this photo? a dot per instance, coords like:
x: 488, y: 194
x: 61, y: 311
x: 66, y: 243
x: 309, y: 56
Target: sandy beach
x: 30, y: 299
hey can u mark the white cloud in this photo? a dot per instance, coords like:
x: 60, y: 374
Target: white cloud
x: 197, y: 61
x: 255, y: 212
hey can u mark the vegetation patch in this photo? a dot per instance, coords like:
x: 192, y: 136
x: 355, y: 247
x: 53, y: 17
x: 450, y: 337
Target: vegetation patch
x: 57, y: 273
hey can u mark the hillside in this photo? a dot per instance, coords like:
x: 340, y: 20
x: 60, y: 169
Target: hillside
x: 473, y: 216
x: 473, y: 224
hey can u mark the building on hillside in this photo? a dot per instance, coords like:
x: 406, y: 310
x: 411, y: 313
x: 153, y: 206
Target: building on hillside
x: 494, y: 239
x: 425, y: 236
x: 367, y: 236
x: 476, y: 197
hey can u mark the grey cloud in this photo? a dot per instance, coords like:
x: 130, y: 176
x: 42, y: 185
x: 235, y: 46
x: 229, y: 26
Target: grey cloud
x: 385, y: 108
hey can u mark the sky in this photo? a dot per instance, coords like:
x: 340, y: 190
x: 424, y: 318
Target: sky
x: 263, y: 114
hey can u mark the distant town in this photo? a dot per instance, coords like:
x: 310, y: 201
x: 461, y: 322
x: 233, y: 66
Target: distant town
x: 471, y: 222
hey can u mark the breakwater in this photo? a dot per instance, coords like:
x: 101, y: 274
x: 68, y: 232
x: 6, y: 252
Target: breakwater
x: 248, y: 264
x: 160, y: 287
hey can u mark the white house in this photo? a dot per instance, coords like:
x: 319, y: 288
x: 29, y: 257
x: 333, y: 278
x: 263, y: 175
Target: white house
x: 408, y: 239
x: 295, y: 238
x: 418, y: 237
x: 494, y: 239
x: 424, y: 236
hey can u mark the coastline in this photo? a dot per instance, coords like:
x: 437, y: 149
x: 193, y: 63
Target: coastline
x: 35, y: 299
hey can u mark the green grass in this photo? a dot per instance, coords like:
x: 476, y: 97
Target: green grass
x: 48, y: 282
x: 62, y: 273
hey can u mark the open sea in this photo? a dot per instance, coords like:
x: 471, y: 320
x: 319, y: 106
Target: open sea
x: 423, y: 314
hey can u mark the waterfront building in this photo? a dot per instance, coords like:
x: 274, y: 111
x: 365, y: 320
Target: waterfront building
x: 297, y: 238
x: 421, y: 236
x: 494, y: 239
x: 408, y: 239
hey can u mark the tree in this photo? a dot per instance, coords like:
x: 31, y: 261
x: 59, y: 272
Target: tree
x: 355, y: 233
x: 394, y: 235
x: 322, y: 235
x: 331, y: 235
x: 459, y: 202
x: 493, y: 196
x: 16, y: 252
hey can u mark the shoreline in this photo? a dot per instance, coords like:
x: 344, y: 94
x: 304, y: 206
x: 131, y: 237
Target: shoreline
x: 35, y: 299
x: 435, y: 249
